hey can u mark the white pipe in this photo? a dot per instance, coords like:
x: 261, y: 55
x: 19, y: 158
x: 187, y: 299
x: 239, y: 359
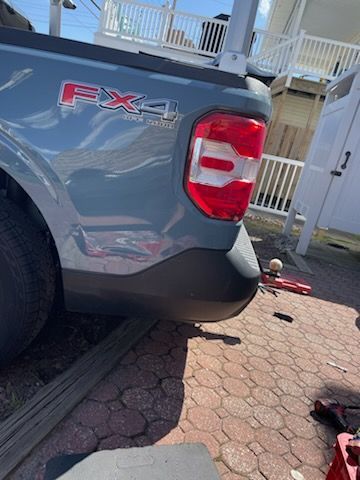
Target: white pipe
x: 299, y: 15
x: 55, y: 18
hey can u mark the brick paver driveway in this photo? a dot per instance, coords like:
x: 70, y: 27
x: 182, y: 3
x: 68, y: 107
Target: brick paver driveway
x: 243, y: 387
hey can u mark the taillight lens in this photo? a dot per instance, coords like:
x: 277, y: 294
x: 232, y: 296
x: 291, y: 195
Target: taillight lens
x: 224, y: 159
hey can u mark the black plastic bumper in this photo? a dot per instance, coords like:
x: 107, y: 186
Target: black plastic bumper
x: 198, y: 286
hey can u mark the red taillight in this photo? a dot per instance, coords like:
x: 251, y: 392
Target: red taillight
x: 224, y: 160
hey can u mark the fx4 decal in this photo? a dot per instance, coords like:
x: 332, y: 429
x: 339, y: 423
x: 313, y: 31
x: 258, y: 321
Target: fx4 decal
x: 112, y: 99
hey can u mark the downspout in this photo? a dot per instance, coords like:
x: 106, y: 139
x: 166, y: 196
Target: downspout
x: 295, y: 28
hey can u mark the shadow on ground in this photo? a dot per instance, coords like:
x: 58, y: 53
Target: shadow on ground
x: 142, y: 401
x: 150, y: 381
x: 326, y: 426
x: 65, y: 337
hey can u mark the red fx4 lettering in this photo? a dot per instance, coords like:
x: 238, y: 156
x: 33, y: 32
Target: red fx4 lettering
x: 71, y: 93
x: 118, y: 100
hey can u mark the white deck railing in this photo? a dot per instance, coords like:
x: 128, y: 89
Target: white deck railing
x: 161, y: 26
x: 276, y: 184
x: 308, y: 56
x: 324, y: 57
x: 304, y: 55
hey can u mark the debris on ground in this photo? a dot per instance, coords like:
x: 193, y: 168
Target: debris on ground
x: 335, y: 365
x: 284, y: 317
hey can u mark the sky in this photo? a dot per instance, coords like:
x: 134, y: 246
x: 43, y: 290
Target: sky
x: 82, y: 23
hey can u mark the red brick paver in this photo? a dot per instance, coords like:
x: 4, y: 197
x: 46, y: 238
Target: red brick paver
x: 243, y: 387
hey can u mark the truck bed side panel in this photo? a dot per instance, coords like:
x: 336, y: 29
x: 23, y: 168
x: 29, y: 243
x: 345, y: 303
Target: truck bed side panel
x: 114, y: 180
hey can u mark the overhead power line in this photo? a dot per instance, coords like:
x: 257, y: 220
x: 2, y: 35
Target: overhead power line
x: 96, y: 5
x: 89, y: 9
x: 21, y: 4
x: 65, y: 24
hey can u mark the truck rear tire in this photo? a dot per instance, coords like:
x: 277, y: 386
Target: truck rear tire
x: 27, y: 280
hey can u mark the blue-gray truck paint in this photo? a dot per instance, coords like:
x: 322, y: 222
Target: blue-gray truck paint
x: 111, y: 189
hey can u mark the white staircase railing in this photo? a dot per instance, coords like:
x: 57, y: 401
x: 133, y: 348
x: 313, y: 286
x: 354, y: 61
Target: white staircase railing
x: 276, y: 183
x: 308, y: 56
x: 276, y: 59
x: 263, y: 40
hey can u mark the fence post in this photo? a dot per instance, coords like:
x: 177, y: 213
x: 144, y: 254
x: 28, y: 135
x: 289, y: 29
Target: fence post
x: 104, y: 17
x: 295, y: 56
x: 165, y: 23
x: 282, y: 58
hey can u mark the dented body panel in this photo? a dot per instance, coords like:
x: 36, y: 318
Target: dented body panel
x: 100, y: 146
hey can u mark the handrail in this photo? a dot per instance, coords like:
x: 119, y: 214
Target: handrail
x: 333, y: 42
x: 308, y: 55
x: 271, y: 50
x: 289, y: 161
x: 271, y: 34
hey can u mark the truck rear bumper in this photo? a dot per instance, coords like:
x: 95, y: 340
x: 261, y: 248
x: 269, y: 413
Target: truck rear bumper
x: 199, y: 285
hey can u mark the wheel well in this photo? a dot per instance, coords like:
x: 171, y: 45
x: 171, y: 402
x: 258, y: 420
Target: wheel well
x: 9, y: 188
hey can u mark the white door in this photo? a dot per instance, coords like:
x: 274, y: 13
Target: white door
x: 328, y: 194
x: 324, y: 152
x: 342, y: 205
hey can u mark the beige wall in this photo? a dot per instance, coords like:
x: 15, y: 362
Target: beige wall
x: 296, y: 110
x: 280, y: 14
x: 292, y: 127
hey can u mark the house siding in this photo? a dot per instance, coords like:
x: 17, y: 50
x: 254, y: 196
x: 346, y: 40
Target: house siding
x: 296, y: 110
x: 280, y: 15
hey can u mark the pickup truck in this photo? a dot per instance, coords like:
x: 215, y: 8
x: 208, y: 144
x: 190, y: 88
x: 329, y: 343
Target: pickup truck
x: 124, y: 179
x: 9, y: 17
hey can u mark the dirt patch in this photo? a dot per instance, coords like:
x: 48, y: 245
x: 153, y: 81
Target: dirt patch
x: 65, y: 338
x: 267, y: 239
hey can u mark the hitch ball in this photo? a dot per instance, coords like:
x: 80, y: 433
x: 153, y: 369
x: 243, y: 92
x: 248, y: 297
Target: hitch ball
x: 276, y: 265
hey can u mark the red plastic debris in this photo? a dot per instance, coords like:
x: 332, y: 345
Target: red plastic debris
x: 343, y: 467
x: 287, y: 282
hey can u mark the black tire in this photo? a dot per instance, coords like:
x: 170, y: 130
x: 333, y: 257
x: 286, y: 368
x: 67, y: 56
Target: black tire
x: 27, y: 281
